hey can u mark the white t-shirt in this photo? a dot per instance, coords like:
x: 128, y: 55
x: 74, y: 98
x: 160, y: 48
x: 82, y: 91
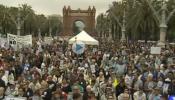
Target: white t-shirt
x: 92, y: 68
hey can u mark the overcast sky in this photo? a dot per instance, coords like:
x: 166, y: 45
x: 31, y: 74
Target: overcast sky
x: 49, y: 7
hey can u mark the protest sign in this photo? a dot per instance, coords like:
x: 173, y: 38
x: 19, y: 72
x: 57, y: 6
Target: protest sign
x: 48, y: 40
x: 14, y: 40
x: 155, y: 50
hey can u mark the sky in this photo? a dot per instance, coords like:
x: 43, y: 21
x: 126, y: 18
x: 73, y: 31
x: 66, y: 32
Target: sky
x: 49, y: 7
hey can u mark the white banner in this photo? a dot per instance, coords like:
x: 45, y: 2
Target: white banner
x: 155, y: 50
x: 12, y: 40
x: 21, y: 41
x: 25, y: 40
x: 48, y: 40
x: 15, y: 98
x: 3, y: 42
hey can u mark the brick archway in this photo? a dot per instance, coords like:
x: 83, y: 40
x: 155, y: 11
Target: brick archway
x: 70, y: 16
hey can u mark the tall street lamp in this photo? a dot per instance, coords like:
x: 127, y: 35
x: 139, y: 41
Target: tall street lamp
x: 163, y: 25
x: 18, y: 23
x: 123, y: 38
x: 162, y: 20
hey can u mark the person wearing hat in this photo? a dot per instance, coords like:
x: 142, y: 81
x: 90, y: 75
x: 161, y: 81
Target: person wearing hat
x: 166, y: 86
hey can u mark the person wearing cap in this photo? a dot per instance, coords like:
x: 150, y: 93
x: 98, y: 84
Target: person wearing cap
x: 166, y: 86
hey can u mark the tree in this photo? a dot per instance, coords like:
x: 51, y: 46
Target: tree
x: 102, y: 25
x: 55, y: 24
x: 24, y: 20
x: 27, y: 16
x: 142, y: 23
x: 163, y: 18
x: 142, y: 20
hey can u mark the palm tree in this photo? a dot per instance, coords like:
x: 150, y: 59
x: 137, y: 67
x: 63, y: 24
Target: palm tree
x: 100, y: 26
x: 142, y: 23
x: 54, y: 24
x: 26, y: 15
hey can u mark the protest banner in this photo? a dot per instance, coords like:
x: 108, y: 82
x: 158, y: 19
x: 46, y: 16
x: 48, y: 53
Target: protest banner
x: 12, y: 40
x: 20, y: 41
x: 155, y: 50
x: 25, y: 40
x: 3, y: 42
x: 15, y: 98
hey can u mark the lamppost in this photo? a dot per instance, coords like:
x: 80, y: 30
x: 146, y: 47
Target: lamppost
x: 163, y: 25
x: 50, y: 27
x: 0, y: 29
x: 39, y: 33
x: 105, y: 25
x: 18, y: 23
x: 162, y: 20
x: 123, y: 38
x: 123, y: 24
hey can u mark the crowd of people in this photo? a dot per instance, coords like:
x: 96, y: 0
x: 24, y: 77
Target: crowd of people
x: 110, y: 71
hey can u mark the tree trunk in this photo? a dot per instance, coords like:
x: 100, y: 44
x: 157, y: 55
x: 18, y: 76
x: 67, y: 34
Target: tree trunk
x: 30, y: 29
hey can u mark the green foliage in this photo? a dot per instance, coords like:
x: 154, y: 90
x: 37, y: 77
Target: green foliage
x: 141, y: 22
x: 31, y: 22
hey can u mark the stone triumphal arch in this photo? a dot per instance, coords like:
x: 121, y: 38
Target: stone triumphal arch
x: 76, y: 20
